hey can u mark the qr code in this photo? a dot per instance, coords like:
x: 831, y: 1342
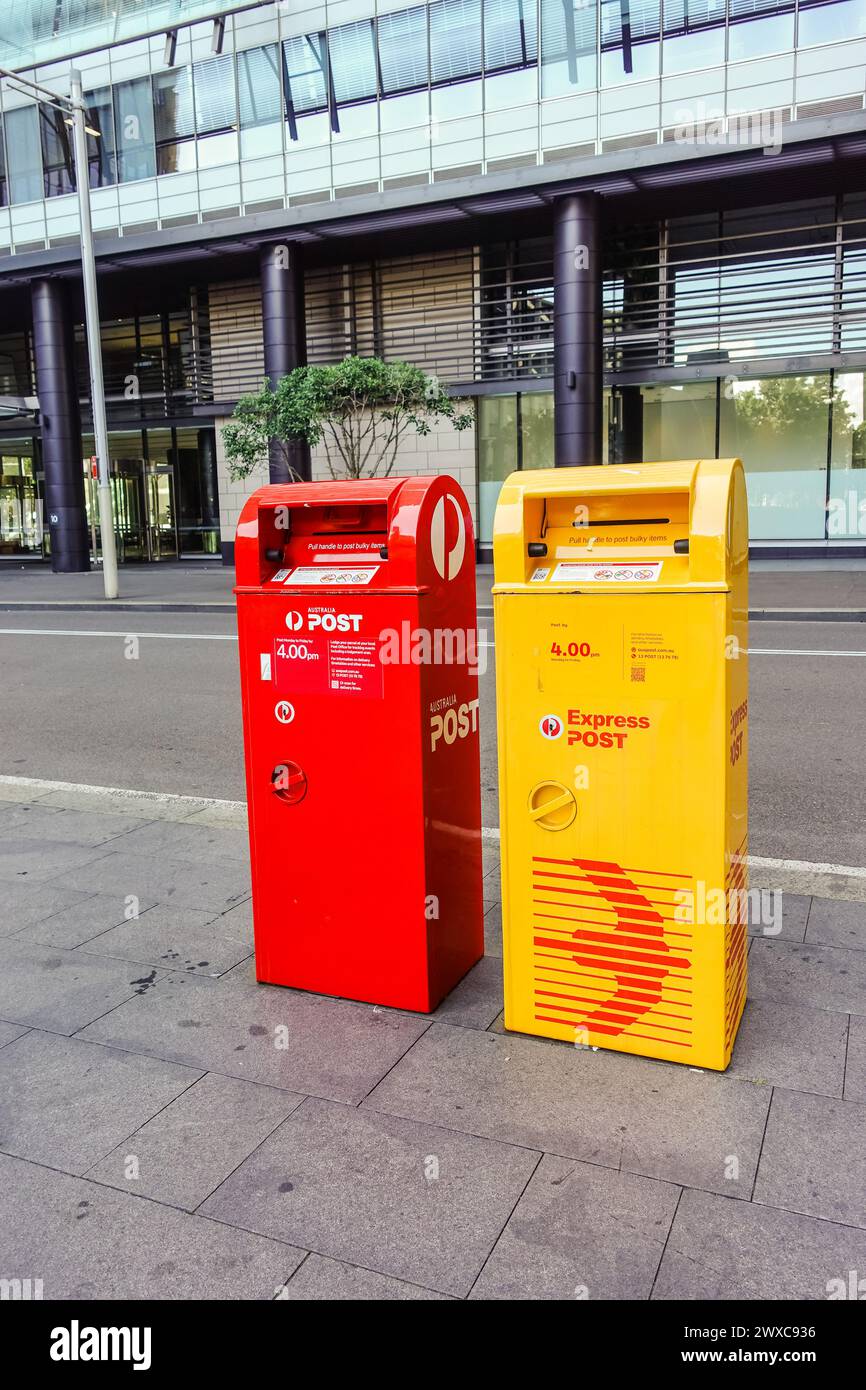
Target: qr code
x: 638, y: 673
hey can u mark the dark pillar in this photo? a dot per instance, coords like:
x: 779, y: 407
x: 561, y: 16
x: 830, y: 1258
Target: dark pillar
x: 630, y: 442
x: 577, y: 331
x: 53, y: 350
x: 284, y: 334
x: 207, y: 471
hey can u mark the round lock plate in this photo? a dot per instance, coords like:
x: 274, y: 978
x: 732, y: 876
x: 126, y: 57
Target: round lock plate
x: 289, y: 782
x: 552, y: 806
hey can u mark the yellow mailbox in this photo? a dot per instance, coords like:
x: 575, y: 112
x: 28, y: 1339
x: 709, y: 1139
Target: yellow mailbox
x: 621, y: 615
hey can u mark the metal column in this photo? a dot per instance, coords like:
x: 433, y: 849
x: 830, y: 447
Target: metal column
x: 53, y: 350
x: 284, y: 335
x: 577, y: 331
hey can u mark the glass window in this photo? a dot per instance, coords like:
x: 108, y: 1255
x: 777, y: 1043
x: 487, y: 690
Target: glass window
x: 352, y: 50
x: 306, y: 78
x: 101, y: 157
x: 828, y: 21
x: 778, y: 426
x: 629, y: 40
x: 569, y: 42
x: 757, y: 27
x: 259, y: 87
x: 496, y: 432
x: 668, y: 422
x: 455, y: 39
x: 536, y: 429
x: 174, y: 114
x: 57, y: 163
x: 846, y: 509
x: 194, y: 459
x: 133, y: 127
x: 214, y: 89
x: 403, y: 55
x: 23, y: 155
x: 510, y: 34
x: 694, y: 34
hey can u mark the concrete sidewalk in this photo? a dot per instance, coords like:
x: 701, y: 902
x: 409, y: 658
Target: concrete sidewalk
x: 810, y: 590
x: 171, y: 1129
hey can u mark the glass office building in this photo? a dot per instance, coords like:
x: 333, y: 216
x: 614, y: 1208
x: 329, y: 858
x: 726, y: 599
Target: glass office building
x: 412, y: 156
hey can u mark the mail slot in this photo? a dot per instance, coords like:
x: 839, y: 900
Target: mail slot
x: 359, y: 677
x: 621, y: 616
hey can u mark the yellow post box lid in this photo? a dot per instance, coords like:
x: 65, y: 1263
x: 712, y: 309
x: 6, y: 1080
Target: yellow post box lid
x: 658, y: 526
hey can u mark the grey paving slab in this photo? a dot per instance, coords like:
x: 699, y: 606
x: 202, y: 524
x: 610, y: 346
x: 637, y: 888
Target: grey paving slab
x: 855, y: 1066
x: 49, y: 987
x: 51, y: 823
x: 786, y: 918
x: 238, y: 922
x: 580, y: 1231
x: 10, y: 1031
x: 117, y: 802
x: 214, y: 884
x: 65, y: 1103
x: 90, y: 1242
x: 188, y: 841
x: 657, y: 1119
x: 300, y: 1042
x: 330, y: 1280
x: 493, y: 930
x: 37, y: 861
x: 722, y: 1249
x: 74, y: 925
x: 22, y: 904
x: 814, y: 1157
x: 402, y: 1198
x: 477, y: 999
x: 187, y: 1149
x: 828, y: 977
x: 791, y: 1045
x: 836, y: 923
x: 173, y: 938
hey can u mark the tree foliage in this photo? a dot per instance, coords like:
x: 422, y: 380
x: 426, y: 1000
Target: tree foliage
x: 358, y: 410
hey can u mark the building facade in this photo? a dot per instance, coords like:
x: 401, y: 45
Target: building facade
x: 628, y: 229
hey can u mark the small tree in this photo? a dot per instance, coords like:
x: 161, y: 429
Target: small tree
x: 358, y: 410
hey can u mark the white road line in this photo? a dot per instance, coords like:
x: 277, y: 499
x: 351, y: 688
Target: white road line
x: 128, y: 632
x: 488, y: 832
x: 483, y: 642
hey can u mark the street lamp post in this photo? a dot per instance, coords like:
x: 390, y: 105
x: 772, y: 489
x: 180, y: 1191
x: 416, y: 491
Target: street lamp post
x: 94, y: 343
x: 75, y: 115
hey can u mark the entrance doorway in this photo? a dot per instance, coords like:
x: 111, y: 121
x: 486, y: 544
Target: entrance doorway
x: 143, y: 501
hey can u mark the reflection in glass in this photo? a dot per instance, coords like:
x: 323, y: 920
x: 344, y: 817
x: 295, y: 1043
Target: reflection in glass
x: 496, y: 432
x: 629, y: 40
x: 757, y: 27
x: 23, y: 155
x: 101, y: 158
x: 694, y: 34
x: 569, y: 42
x: 778, y: 427
x: 259, y: 101
x: 133, y: 127
x: 846, y: 509
x: 510, y: 34
x: 174, y: 115
x: 57, y: 164
x: 824, y: 22
x: 306, y: 84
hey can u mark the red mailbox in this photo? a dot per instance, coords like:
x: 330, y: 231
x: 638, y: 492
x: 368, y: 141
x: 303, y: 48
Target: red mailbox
x: 359, y: 676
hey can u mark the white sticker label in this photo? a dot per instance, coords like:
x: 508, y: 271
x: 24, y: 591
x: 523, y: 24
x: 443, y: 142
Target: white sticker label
x: 333, y: 578
x: 539, y: 576
x: 581, y: 572
x: 278, y: 577
x: 265, y: 665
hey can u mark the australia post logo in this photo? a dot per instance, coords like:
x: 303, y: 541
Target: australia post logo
x: 448, y: 536
x: 323, y: 622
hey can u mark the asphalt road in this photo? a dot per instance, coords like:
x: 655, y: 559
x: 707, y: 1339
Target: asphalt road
x: 76, y: 709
